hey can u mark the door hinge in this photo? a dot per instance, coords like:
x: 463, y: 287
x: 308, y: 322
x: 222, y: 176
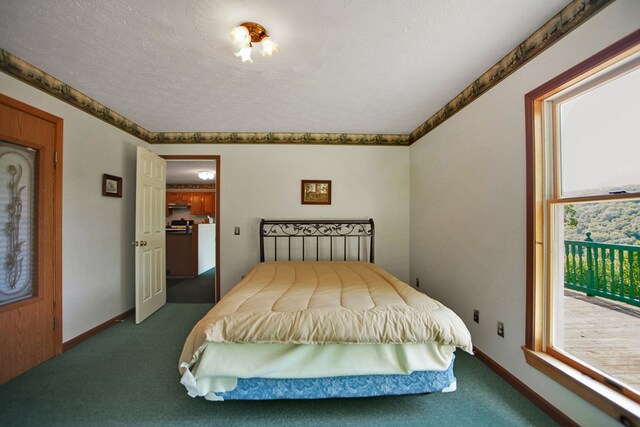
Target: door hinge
x: 55, y: 159
x: 54, y: 323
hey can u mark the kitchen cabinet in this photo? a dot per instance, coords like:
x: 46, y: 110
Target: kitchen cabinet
x: 196, y: 204
x: 178, y: 197
x: 203, y: 203
x: 191, y: 254
x: 183, y: 198
x: 182, y: 254
x: 209, y: 203
x: 172, y: 197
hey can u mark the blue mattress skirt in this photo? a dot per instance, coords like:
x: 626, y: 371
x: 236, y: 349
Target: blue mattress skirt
x: 346, y: 386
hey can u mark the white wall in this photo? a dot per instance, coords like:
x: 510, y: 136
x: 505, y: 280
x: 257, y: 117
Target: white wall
x: 468, y: 206
x: 98, y: 281
x: 467, y: 213
x: 258, y: 181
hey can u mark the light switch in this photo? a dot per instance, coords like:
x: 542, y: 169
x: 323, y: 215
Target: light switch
x: 236, y: 231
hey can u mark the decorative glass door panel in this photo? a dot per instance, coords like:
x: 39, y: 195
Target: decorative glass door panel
x: 17, y: 215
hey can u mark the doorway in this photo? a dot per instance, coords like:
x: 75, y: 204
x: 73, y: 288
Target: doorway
x: 192, y: 229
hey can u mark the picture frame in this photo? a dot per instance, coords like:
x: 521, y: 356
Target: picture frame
x: 315, y: 192
x: 111, y: 185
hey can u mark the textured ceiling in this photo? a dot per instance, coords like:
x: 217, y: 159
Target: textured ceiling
x: 186, y: 171
x: 344, y: 66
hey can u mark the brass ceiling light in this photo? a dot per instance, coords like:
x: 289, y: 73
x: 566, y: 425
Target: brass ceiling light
x: 248, y: 33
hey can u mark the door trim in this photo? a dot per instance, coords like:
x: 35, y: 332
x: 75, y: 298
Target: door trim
x: 57, y: 123
x: 215, y: 158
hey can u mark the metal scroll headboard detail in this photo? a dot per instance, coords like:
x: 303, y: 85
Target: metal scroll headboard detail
x: 315, y: 239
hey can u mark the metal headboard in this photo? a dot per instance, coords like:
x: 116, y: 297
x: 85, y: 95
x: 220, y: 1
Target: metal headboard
x: 351, y: 236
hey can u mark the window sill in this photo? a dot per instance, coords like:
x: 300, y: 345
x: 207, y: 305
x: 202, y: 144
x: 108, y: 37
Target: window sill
x: 599, y: 395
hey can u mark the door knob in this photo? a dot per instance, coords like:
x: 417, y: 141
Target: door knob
x: 134, y: 243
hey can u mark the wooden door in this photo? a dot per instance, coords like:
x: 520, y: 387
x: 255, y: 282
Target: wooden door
x: 151, y: 292
x: 30, y: 237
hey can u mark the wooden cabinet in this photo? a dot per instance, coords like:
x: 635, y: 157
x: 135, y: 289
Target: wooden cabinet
x: 196, y: 204
x: 209, y: 203
x: 178, y: 197
x: 184, y: 198
x: 172, y: 197
x: 202, y: 203
x: 182, y: 255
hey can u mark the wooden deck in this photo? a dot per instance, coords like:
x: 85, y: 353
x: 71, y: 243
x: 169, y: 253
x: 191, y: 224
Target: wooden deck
x: 605, y: 334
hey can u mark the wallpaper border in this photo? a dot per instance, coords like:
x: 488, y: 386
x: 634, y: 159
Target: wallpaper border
x: 278, y: 138
x: 38, y: 78
x: 191, y: 186
x: 34, y: 76
x: 569, y: 18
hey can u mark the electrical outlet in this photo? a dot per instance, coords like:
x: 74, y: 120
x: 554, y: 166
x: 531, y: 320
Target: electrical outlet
x: 236, y: 231
x: 476, y: 316
x: 417, y: 282
x: 501, y: 329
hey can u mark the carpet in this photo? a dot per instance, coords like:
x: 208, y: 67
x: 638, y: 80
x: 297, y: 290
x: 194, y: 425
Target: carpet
x: 128, y: 375
x: 195, y: 290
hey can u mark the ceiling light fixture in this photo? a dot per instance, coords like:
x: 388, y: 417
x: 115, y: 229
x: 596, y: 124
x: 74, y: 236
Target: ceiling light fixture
x: 206, y: 175
x: 247, y: 33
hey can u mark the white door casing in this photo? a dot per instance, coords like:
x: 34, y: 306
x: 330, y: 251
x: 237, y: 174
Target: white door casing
x: 151, y: 292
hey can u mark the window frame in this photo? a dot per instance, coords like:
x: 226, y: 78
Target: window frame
x: 596, y: 387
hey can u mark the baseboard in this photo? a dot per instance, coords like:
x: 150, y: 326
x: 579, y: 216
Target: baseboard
x: 93, y: 331
x: 534, y: 397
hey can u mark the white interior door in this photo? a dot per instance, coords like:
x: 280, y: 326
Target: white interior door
x: 151, y: 290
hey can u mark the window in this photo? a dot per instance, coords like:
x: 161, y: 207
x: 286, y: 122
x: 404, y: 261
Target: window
x: 583, y: 229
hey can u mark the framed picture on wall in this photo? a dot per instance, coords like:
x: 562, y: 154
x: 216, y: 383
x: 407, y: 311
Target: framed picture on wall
x: 316, y: 192
x: 111, y: 185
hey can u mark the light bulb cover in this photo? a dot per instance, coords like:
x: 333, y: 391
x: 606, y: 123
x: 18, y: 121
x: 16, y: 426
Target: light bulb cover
x: 240, y: 36
x: 269, y: 47
x: 206, y: 175
x: 245, y: 53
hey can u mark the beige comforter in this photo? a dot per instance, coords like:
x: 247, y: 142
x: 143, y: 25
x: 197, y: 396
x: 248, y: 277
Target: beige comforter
x: 331, y: 302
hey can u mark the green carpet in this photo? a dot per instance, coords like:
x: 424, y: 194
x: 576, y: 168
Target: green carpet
x: 194, y: 290
x: 127, y: 375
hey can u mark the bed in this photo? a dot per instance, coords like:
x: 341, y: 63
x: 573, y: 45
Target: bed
x: 316, y: 318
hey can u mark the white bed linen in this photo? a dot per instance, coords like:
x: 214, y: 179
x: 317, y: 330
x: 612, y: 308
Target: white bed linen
x: 219, y: 367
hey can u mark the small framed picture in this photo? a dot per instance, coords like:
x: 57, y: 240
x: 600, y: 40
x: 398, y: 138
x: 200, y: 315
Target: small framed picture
x: 316, y: 192
x: 111, y: 185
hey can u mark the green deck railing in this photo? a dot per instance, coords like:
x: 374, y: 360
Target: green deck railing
x: 600, y: 269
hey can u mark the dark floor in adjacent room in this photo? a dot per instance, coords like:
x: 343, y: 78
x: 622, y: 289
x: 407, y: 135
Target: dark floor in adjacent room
x: 128, y: 375
x: 194, y: 290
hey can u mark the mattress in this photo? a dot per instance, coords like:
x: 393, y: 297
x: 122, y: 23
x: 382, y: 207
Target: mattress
x: 222, y: 366
x: 311, y: 320
x: 419, y: 382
